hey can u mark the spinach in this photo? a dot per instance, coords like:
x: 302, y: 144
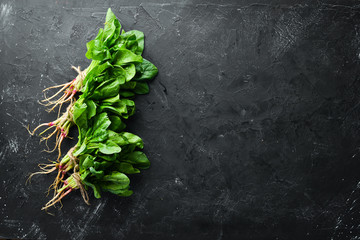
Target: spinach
x: 104, y: 154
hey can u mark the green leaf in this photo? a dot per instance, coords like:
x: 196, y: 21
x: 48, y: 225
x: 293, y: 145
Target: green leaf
x: 138, y: 159
x: 109, y: 147
x: 111, y: 20
x: 97, y: 174
x: 126, y: 94
x: 97, y: 51
x: 116, y: 124
x: 117, y: 138
x: 84, y: 174
x: 100, y: 34
x: 88, y: 162
x: 99, y: 132
x: 128, y: 85
x: 115, y: 183
x: 101, y: 121
x: 120, y: 110
x: 132, y: 139
x: 110, y: 158
x: 99, y: 135
x: 124, y: 56
x: 112, y: 99
x: 130, y: 106
x: 95, y: 187
x: 145, y: 71
x: 103, y: 165
x: 95, y: 71
x: 80, y: 114
x: 109, y: 30
x: 124, y: 193
x: 81, y: 150
x: 136, y: 44
x: 127, y: 168
x: 107, y: 89
x: 141, y: 88
x: 110, y: 16
x: 130, y: 71
x: 140, y: 41
x: 91, y: 109
x: 117, y: 177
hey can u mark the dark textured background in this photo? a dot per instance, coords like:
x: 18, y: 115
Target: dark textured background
x: 252, y: 125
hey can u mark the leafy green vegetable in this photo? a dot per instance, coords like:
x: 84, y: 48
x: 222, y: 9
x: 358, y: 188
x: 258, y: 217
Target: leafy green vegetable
x: 104, y: 153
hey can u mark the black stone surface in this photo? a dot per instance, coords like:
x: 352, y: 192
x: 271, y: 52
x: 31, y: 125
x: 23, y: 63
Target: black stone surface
x: 251, y: 126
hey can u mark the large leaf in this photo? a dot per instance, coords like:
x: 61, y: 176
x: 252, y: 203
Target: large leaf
x: 145, y: 71
x: 106, y: 89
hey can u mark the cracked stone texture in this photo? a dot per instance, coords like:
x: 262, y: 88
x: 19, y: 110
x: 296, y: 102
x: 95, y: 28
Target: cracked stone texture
x: 251, y: 126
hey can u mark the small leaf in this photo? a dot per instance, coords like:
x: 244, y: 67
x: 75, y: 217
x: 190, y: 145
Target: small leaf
x: 124, y: 193
x: 128, y: 85
x: 117, y: 138
x: 97, y: 70
x: 111, y: 100
x: 97, y: 50
x: 126, y: 94
x: 136, y: 45
x: 127, y: 168
x: 110, y: 16
x: 116, y: 124
x: 97, y: 174
x: 81, y: 150
x: 107, y: 89
x: 88, y: 162
x: 133, y: 139
x: 141, y: 88
x: 145, y: 71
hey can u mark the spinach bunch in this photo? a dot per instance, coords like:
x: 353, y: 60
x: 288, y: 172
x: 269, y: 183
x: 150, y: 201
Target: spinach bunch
x: 105, y: 154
